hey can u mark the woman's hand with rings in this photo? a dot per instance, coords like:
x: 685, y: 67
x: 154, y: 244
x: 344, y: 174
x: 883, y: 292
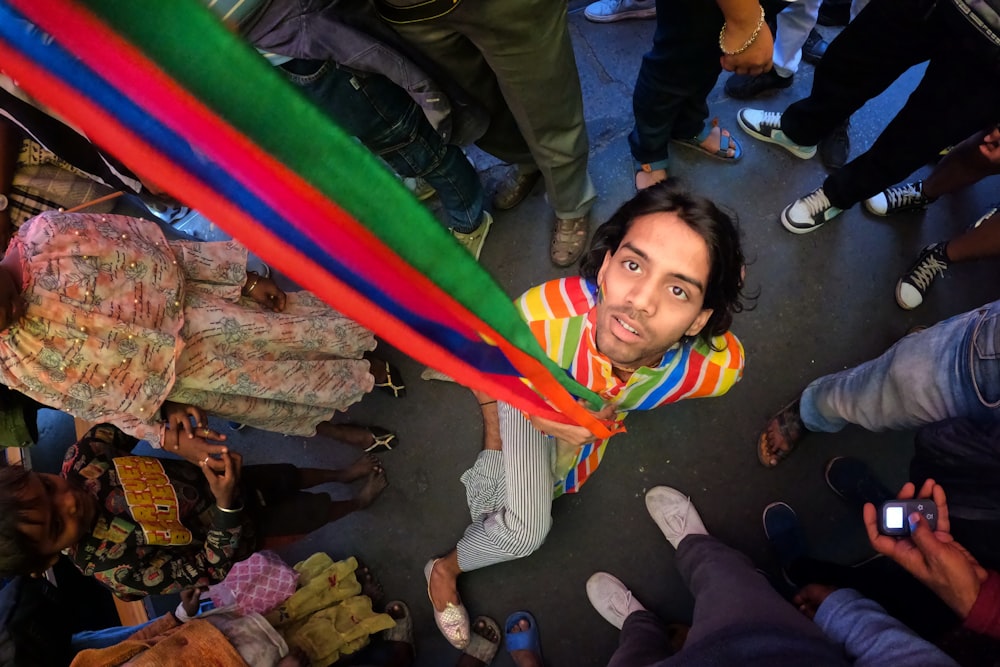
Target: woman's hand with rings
x: 201, y: 450
x: 180, y: 416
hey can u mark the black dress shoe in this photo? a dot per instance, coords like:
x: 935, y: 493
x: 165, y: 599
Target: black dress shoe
x: 835, y: 147
x: 814, y: 48
x: 745, y: 86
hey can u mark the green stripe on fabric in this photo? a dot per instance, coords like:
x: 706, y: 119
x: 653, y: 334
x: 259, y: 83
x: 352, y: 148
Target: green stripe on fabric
x: 228, y: 76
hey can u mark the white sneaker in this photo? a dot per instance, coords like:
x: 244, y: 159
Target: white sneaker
x: 766, y: 126
x: 898, y: 199
x: 612, y: 600
x: 809, y: 213
x: 608, y: 11
x: 674, y: 514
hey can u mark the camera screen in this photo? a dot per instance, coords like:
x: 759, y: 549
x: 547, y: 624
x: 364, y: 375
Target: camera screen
x: 894, y: 517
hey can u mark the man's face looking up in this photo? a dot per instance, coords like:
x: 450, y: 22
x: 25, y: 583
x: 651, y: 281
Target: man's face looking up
x: 651, y: 291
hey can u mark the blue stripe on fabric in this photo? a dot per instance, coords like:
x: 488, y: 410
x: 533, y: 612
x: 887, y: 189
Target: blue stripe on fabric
x: 670, y: 382
x: 480, y: 355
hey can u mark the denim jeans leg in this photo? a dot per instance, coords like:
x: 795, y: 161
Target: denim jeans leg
x: 675, y: 77
x: 924, y: 378
x: 390, y: 124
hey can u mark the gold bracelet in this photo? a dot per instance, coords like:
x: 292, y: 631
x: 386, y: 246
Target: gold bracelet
x: 256, y: 279
x: 747, y: 44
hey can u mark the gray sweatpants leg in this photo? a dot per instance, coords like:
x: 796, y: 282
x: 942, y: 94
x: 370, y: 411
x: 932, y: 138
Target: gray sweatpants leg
x: 509, y: 494
x: 728, y: 591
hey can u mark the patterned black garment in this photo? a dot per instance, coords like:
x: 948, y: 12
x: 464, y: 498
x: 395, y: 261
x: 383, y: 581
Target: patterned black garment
x: 157, y: 529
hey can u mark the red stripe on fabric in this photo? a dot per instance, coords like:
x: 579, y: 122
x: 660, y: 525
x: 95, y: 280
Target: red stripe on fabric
x: 104, y: 127
x: 118, y: 60
x: 690, y: 377
x: 578, y: 296
x: 123, y: 65
x: 219, y: 133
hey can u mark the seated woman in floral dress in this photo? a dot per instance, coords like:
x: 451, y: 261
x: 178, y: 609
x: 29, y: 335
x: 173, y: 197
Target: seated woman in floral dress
x: 102, y: 317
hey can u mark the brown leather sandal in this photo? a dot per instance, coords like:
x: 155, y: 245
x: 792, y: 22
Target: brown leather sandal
x: 569, y: 237
x: 788, y: 423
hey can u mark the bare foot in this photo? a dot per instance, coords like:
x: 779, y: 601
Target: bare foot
x: 403, y: 651
x: 811, y: 597
x: 375, y: 485
x: 443, y: 584
x: 644, y: 179
x: 487, y: 631
x: 378, y: 369
x: 370, y: 585
x: 713, y: 141
x: 360, y: 468
x: 524, y: 658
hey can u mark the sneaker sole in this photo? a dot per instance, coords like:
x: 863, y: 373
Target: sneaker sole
x: 790, y: 226
x: 801, y: 152
x: 625, y: 16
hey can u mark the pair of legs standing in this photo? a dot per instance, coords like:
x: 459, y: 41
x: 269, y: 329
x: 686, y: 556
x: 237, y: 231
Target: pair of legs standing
x: 885, y: 40
x: 515, y: 58
x: 671, y: 90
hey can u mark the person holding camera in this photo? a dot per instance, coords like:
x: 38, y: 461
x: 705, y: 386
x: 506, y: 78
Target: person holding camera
x: 739, y: 619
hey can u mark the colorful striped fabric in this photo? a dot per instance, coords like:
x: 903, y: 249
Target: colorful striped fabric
x: 168, y: 89
x: 561, y: 314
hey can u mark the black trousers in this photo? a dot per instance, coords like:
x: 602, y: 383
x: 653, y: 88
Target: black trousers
x: 958, y: 95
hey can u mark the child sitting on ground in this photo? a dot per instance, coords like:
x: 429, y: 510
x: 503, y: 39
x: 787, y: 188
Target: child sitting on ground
x: 142, y: 525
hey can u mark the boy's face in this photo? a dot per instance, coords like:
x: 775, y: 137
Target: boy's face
x: 652, y: 290
x: 62, y: 514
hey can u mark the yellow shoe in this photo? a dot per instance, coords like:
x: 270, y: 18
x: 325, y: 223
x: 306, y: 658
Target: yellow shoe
x: 474, y: 240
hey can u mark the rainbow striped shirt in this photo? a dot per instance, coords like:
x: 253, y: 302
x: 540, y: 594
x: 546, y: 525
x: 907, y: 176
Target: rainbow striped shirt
x: 561, y: 313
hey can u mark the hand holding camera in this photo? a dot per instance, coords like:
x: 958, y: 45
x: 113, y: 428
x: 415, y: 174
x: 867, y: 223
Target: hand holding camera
x: 926, y: 551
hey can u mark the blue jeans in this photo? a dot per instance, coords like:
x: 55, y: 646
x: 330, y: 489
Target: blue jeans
x: 390, y: 124
x: 949, y: 370
x: 675, y: 78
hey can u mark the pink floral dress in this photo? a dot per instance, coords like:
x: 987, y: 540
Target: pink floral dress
x: 120, y: 320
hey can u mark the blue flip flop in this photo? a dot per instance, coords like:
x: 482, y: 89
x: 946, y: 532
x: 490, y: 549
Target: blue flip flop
x: 522, y: 641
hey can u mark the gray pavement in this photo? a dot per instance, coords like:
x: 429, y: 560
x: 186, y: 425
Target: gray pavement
x: 825, y: 303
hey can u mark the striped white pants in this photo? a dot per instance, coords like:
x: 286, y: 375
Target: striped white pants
x: 509, y: 494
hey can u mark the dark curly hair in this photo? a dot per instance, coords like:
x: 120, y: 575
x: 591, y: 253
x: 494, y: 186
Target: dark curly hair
x: 724, y: 291
x: 19, y: 554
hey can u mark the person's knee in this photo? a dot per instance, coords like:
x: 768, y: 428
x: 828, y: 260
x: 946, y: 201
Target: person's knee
x: 527, y: 537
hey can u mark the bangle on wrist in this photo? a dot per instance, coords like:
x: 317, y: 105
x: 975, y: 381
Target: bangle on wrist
x: 229, y: 511
x: 253, y: 284
x: 747, y: 44
x: 487, y: 403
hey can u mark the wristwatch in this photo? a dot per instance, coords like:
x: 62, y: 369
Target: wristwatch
x: 4, y: 202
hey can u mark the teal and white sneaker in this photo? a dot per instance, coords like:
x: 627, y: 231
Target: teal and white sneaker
x: 766, y: 126
x: 809, y: 213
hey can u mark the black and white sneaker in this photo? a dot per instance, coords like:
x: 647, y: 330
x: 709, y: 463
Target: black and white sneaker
x: 809, y: 213
x: 766, y: 126
x: 898, y: 198
x: 911, y: 288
